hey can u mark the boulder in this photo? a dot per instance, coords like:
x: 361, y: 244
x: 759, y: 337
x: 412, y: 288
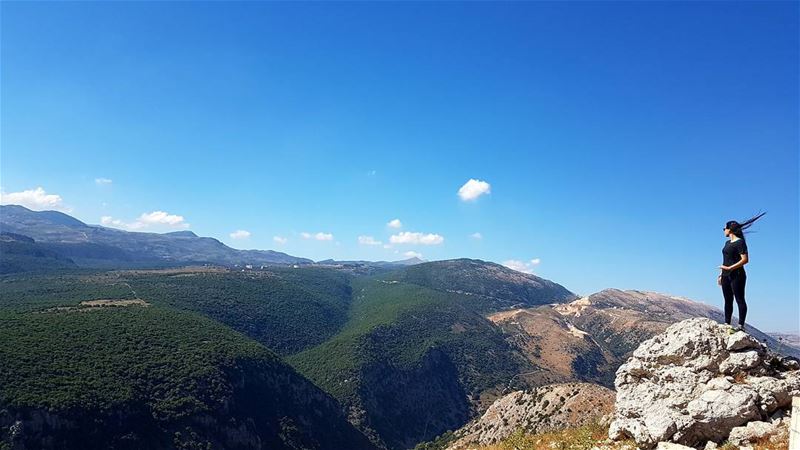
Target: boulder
x: 695, y: 383
x: 737, y: 362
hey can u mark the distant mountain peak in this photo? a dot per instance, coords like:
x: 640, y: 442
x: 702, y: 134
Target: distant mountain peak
x: 410, y: 261
x: 185, y: 233
x: 12, y: 212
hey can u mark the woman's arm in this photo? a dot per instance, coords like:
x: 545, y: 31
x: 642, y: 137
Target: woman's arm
x: 741, y: 262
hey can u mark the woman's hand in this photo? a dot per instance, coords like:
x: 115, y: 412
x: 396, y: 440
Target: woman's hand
x: 719, y: 280
x: 724, y: 267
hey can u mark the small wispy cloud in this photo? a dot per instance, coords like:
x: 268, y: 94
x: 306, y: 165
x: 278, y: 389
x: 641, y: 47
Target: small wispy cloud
x: 394, y: 223
x: 408, y: 237
x: 476, y: 235
x: 240, y: 234
x: 317, y: 236
x: 412, y: 254
x: 279, y: 240
x: 368, y: 240
x: 36, y: 199
x: 522, y: 266
x: 103, y: 181
x: 473, y: 189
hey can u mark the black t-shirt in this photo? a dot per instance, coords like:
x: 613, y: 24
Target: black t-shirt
x: 731, y: 255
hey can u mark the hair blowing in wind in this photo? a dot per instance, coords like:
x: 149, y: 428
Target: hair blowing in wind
x: 738, y: 228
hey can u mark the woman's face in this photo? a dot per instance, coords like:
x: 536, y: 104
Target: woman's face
x: 727, y: 232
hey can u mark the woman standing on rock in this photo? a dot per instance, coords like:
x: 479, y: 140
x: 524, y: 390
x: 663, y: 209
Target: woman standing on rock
x: 733, y: 277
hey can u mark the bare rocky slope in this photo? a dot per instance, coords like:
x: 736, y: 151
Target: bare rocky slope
x: 549, y: 407
x: 697, y: 385
x: 589, y: 338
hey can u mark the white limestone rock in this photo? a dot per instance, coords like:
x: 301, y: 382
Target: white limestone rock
x: 694, y: 383
x: 752, y: 432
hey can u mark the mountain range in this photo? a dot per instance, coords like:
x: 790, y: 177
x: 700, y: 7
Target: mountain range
x: 95, y: 246
x: 147, y: 352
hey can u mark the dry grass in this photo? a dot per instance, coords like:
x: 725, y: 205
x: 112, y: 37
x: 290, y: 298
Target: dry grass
x: 740, y: 378
x: 578, y: 438
x: 588, y: 436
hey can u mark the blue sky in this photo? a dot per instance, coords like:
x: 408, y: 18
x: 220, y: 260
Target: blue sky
x: 616, y: 138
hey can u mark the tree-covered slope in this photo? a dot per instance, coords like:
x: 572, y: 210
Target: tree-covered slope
x: 285, y: 309
x: 131, y: 374
x: 491, y: 287
x: 417, y: 353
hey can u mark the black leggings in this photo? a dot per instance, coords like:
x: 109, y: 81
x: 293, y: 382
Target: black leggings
x: 733, y: 286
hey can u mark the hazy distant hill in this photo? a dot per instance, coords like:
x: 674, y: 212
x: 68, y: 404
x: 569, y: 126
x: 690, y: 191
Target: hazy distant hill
x: 116, y: 248
x: 20, y: 253
x: 402, y: 262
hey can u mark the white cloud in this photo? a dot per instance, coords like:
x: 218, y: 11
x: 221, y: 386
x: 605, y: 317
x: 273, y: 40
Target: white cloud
x: 522, y: 266
x: 394, y: 223
x: 368, y: 240
x: 240, y: 234
x: 408, y: 237
x: 102, y: 181
x: 387, y: 245
x: 476, y: 235
x: 163, y: 218
x: 318, y: 236
x: 473, y: 189
x: 112, y: 222
x: 35, y: 199
x: 155, y: 219
x: 279, y: 240
x: 410, y: 254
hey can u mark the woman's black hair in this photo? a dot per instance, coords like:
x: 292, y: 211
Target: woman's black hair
x: 738, y: 228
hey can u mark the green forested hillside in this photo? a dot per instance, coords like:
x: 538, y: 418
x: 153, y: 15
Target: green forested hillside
x: 416, y: 347
x: 146, y: 376
x: 283, y: 308
x: 489, y: 286
x: 407, y: 354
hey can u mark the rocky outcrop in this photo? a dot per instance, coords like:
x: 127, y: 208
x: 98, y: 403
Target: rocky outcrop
x: 697, y: 382
x: 549, y: 407
x: 589, y: 338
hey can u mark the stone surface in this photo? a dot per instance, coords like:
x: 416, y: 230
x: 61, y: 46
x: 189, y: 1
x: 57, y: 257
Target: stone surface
x: 695, y: 383
x: 671, y: 446
x: 737, y: 362
x: 742, y: 341
x: 752, y: 432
